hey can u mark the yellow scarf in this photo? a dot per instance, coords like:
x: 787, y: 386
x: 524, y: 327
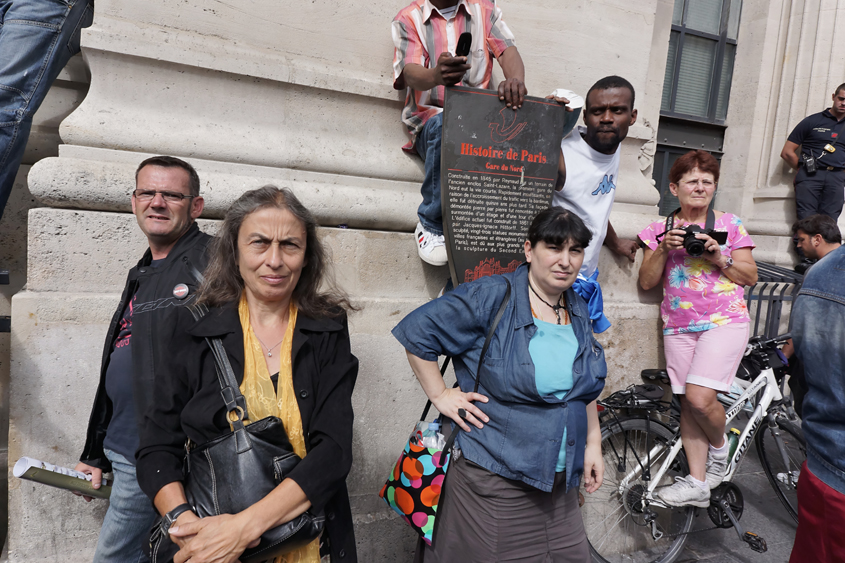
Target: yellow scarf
x: 263, y: 401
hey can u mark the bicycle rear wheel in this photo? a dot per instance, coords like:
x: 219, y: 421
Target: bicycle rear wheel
x: 783, y: 474
x: 615, y: 524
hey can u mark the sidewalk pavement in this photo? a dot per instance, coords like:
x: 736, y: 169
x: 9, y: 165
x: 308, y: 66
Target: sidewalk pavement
x: 764, y: 515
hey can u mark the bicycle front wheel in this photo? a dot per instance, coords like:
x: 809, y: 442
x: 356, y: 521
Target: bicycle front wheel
x: 617, y: 525
x: 783, y: 469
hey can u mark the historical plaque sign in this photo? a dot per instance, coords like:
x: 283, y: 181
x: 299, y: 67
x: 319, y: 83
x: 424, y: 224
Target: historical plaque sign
x: 498, y: 170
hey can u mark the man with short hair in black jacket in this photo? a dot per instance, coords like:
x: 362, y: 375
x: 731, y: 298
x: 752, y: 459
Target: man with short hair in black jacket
x: 166, y: 202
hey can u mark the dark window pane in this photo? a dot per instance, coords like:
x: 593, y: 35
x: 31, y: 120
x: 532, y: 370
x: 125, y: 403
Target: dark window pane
x: 733, y: 19
x: 678, y: 13
x: 704, y: 15
x: 695, y: 76
x: 658, y: 173
x: 669, y: 75
x: 725, y: 84
x: 668, y: 202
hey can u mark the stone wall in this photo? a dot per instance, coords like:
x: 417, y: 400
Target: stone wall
x: 301, y: 97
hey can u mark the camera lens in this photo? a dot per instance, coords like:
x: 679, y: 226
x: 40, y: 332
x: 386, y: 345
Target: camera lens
x: 693, y: 246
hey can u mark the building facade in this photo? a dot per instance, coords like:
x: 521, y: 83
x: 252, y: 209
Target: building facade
x: 301, y: 96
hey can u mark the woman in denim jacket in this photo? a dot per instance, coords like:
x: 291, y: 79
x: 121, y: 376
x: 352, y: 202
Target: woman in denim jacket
x: 512, y: 490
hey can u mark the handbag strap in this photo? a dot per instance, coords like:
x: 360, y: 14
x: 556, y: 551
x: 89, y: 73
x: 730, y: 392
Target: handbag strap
x: 451, y: 440
x: 490, y: 332
x: 230, y: 391
x: 502, y: 306
x: 442, y: 372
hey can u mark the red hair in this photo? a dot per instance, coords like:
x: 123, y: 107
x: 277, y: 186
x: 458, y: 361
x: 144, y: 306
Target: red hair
x: 702, y: 160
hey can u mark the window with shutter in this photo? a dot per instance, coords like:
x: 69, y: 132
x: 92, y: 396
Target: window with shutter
x: 696, y: 85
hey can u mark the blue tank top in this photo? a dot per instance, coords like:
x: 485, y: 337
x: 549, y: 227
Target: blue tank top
x: 553, y: 349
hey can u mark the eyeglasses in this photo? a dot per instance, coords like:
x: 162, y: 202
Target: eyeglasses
x: 169, y: 197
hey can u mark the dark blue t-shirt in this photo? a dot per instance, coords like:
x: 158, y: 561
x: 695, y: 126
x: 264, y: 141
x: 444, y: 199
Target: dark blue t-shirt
x: 122, y: 433
x: 816, y: 131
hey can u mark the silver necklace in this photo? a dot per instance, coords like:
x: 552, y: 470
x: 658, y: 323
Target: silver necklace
x: 269, y: 353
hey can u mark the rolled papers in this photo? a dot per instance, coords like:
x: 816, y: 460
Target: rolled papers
x: 61, y: 477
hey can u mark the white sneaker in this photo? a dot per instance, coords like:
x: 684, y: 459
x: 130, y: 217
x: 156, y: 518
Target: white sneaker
x: 684, y: 493
x: 431, y: 247
x: 716, y: 468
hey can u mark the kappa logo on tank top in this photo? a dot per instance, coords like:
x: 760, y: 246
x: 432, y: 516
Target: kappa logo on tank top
x: 605, y: 186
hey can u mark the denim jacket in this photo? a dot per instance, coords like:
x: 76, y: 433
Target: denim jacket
x: 818, y: 330
x: 523, y: 437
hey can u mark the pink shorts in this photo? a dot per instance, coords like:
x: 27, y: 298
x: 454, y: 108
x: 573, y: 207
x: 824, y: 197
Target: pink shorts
x: 708, y: 358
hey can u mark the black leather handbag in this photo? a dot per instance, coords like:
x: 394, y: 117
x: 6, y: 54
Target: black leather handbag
x: 234, y: 471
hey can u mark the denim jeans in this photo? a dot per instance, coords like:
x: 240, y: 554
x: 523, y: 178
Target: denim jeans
x: 128, y: 519
x: 428, y: 147
x: 37, y: 37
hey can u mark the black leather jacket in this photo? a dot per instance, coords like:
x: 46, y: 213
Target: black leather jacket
x: 188, y: 405
x: 154, y: 306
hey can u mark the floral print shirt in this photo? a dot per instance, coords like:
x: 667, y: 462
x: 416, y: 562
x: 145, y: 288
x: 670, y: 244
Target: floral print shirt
x: 697, y: 296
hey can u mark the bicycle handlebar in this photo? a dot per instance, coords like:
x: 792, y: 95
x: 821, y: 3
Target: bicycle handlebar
x: 756, y: 343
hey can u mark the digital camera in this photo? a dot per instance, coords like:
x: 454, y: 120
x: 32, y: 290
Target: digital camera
x: 695, y: 246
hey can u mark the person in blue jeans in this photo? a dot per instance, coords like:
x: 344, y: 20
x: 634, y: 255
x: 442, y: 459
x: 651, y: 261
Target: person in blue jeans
x: 818, y: 331
x: 424, y: 35
x: 37, y: 38
x: 166, y: 202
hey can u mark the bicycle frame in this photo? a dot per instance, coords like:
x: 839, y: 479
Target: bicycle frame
x: 771, y: 392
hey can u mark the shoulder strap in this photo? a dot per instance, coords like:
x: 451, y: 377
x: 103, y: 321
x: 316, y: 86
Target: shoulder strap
x: 708, y: 224
x: 670, y: 220
x: 450, y: 441
x: 490, y: 332
x: 235, y: 402
x: 442, y: 372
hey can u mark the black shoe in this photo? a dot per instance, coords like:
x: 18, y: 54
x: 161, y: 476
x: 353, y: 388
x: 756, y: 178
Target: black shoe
x: 804, y: 265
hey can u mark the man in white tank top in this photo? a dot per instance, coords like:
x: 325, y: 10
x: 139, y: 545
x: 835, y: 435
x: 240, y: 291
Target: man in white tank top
x: 587, y: 176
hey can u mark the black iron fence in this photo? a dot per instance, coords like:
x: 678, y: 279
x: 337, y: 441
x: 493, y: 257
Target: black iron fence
x: 775, y: 287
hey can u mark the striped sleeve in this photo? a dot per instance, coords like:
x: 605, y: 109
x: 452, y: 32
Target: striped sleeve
x: 408, y: 48
x: 500, y: 36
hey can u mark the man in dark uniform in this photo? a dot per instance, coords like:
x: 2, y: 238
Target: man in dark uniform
x: 824, y: 190
x: 166, y: 203
x: 820, y: 180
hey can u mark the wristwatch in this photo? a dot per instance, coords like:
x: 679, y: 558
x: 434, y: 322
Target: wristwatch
x: 728, y: 262
x: 170, y: 518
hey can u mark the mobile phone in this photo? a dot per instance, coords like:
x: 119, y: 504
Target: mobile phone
x: 464, y: 44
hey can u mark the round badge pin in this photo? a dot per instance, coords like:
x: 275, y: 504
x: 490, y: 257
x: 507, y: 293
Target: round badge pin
x: 180, y: 291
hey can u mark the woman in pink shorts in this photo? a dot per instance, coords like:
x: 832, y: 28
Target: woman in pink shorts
x: 705, y: 319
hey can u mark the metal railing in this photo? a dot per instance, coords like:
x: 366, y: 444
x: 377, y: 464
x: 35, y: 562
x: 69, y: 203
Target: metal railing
x: 775, y: 286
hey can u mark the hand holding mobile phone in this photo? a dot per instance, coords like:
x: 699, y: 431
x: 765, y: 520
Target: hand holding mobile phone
x: 464, y: 44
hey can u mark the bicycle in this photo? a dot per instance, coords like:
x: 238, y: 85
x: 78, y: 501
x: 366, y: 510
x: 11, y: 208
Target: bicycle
x: 642, y: 450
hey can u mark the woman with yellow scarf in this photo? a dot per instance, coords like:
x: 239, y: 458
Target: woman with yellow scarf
x: 283, y: 326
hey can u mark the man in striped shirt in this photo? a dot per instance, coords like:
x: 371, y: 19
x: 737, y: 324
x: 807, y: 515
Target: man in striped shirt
x: 425, y: 35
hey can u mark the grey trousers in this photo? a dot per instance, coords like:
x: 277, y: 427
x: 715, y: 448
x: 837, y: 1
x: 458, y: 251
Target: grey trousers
x: 485, y: 518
